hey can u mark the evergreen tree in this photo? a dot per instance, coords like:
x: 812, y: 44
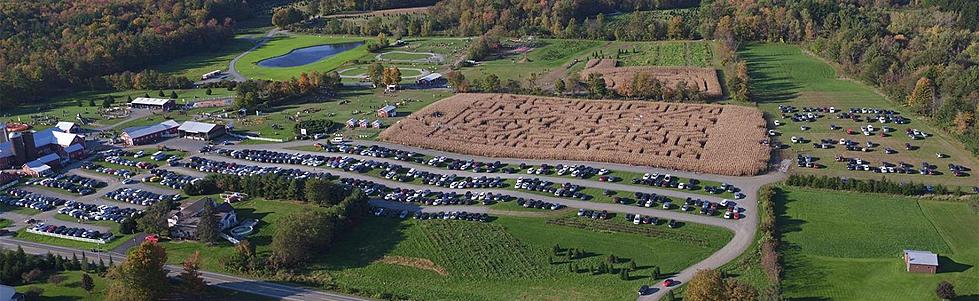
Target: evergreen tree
x: 87, y: 283
x: 207, y: 227
x: 161, y: 94
x: 84, y: 263
x: 173, y: 94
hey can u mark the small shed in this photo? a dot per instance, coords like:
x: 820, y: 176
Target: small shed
x: 363, y: 123
x: 920, y: 261
x: 387, y: 111
x: 351, y: 123
x: 376, y: 124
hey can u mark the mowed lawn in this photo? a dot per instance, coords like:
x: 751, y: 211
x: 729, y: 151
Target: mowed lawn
x: 280, y: 45
x: 783, y: 75
x: 506, y: 259
x: 194, y: 66
x: 549, y: 56
x: 848, y: 246
x: 357, y: 103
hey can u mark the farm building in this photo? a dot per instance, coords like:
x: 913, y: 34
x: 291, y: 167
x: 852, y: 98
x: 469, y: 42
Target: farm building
x: 433, y: 79
x: 149, y: 134
x: 920, y: 261
x: 27, y: 146
x: 376, y: 124
x: 351, y: 122
x: 200, y: 130
x: 387, y: 111
x: 43, y: 165
x: 363, y: 123
x: 183, y: 222
x: 67, y: 127
x: 153, y: 103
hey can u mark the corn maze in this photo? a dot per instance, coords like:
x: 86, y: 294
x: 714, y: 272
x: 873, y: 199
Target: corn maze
x: 719, y: 139
x: 620, y: 78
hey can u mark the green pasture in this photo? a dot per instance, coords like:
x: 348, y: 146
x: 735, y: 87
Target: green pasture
x: 784, y: 75
x: 281, y: 45
x: 551, y: 55
x: 194, y: 66
x: 351, y: 103
x: 666, y: 53
x: 848, y: 246
x: 478, y: 257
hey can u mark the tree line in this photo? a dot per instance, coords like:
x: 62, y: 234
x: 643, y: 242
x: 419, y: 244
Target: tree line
x: 883, y: 185
x: 253, y: 94
x: 48, y: 47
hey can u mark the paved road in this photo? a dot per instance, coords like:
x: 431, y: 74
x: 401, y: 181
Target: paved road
x: 263, y: 288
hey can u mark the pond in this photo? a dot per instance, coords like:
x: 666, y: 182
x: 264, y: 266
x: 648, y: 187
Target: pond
x: 307, y: 55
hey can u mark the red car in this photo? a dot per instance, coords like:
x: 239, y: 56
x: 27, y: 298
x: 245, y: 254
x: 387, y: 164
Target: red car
x: 669, y: 282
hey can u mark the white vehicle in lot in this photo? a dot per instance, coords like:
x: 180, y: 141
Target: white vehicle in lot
x: 337, y: 140
x: 727, y: 203
x: 637, y: 220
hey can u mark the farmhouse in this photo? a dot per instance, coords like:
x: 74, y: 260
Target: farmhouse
x: 433, y: 79
x: 43, y: 165
x: 153, y: 103
x: 200, y: 130
x: 920, y: 261
x: 67, y: 127
x: 28, y: 146
x: 149, y: 134
x: 387, y: 111
x: 183, y: 223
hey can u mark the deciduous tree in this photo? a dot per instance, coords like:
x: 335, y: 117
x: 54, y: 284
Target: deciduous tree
x: 945, y: 291
x: 141, y: 277
x: 706, y: 285
x: 191, y: 276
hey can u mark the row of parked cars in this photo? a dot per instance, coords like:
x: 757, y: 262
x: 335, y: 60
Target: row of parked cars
x: 122, y: 173
x: 93, y: 212
x: 566, y: 190
x: 639, y: 219
x: 71, y: 231
x: 71, y: 183
x: 169, y: 178
x: 230, y: 168
x: 131, y: 163
x: 139, y: 196
x: 27, y: 199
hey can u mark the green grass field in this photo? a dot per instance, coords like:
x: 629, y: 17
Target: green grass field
x: 281, y: 45
x: 783, y: 75
x: 671, y: 53
x: 405, y: 56
x: 71, y: 289
x: 196, y: 65
x: 846, y: 246
x: 551, y: 55
x: 475, y: 257
x: 65, y: 108
x: 352, y: 103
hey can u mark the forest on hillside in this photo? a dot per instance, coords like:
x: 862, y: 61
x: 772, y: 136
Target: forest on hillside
x: 47, y: 47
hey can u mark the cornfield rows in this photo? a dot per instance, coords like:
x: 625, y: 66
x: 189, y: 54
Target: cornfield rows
x: 707, y: 138
x: 483, y: 251
x: 620, y: 78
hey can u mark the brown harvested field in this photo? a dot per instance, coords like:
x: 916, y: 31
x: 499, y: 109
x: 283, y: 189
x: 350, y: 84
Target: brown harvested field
x: 718, y: 139
x: 385, y: 12
x: 620, y: 78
